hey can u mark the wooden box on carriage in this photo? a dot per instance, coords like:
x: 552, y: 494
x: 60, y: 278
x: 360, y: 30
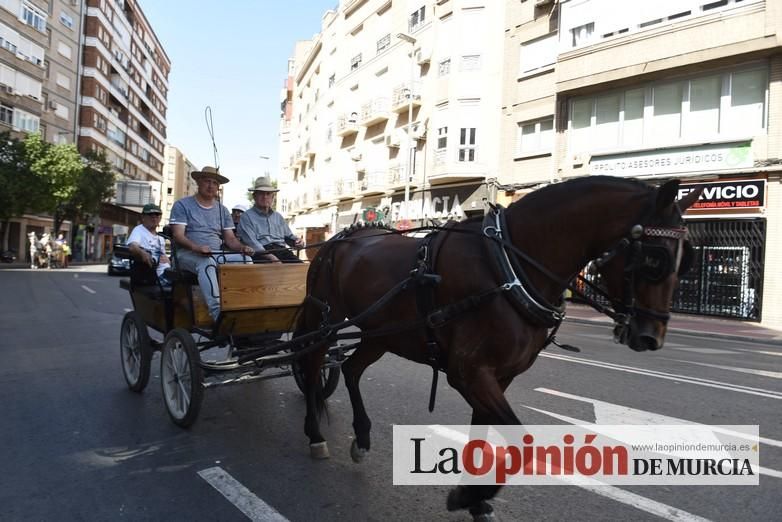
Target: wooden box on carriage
x: 244, y: 287
x: 262, y: 297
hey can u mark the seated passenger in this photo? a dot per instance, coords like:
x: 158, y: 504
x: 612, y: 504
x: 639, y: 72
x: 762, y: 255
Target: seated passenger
x: 200, y: 225
x: 236, y: 214
x: 264, y: 229
x: 148, y: 247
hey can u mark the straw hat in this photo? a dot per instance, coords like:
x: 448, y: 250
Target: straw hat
x: 263, y: 184
x: 209, y: 173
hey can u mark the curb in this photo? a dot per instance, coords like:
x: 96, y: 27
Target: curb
x: 690, y: 333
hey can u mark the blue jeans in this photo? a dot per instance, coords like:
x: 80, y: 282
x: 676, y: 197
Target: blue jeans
x: 207, y: 277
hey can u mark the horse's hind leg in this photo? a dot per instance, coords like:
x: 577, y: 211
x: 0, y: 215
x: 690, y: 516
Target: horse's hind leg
x: 310, y: 365
x: 487, y: 397
x: 366, y: 354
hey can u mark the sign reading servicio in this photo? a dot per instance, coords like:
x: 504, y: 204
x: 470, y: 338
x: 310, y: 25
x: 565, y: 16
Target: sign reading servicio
x: 736, y: 194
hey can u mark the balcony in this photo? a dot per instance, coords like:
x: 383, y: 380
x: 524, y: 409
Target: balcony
x: 373, y: 182
x: 301, y: 156
x: 396, y: 177
x: 325, y: 194
x: 133, y: 193
x: 400, y: 100
x: 375, y: 111
x: 344, y: 189
x: 347, y: 124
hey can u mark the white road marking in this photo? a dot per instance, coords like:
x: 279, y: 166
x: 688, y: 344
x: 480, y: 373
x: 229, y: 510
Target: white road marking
x: 609, y: 413
x: 778, y: 354
x: 752, y: 371
x: 668, y: 376
x: 241, y: 497
x: 694, y: 349
x: 614, y: 493
x: 88, y: 289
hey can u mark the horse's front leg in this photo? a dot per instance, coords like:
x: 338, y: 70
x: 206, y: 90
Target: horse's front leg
x: 486, y: 395
x: 316, y: 404
x: 352, y: 369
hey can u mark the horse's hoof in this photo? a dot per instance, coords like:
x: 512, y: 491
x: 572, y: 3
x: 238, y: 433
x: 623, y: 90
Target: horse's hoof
x: 319, y: 450
x: 483, y: 513
x: 455, y: 499
x: 356, y: 453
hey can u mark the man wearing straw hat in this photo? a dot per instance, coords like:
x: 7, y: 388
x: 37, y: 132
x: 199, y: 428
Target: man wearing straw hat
x: 201, y: 225
x: 264, y: 229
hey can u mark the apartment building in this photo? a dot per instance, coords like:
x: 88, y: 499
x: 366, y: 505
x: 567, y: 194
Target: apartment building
x: 29, y: 30
x: 393, y: 109
x: 687, y: 89
x: 59, y: 117
x: 124, y: 91
x: 177, y: 182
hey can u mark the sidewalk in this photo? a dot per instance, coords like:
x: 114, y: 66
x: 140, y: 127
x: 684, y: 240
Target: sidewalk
x: 684, y: 324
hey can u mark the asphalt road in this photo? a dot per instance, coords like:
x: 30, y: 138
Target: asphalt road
x: 75, y: 444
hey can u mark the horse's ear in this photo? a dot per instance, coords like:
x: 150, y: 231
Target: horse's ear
x: 688, y: 200
x: 666, y: 194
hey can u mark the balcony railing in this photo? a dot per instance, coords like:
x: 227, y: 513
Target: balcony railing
x: 401, y: 98
x: 347, y: 124
x: 373, y: 182
x: 375, y: 111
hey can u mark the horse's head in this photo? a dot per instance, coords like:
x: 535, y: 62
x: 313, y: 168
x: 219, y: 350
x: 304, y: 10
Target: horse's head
x: 642, y: 270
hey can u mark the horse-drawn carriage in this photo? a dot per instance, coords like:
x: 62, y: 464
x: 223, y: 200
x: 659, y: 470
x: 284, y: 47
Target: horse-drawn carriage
x: 259, y: 303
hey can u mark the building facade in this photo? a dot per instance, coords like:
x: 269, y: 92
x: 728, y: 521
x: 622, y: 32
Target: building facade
x: 671, y: 89
x: 177, y: 182
x: 392, y: 110
x: 124, y: 91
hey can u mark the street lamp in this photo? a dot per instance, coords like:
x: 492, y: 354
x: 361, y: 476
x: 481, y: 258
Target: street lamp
x: 409, y: 169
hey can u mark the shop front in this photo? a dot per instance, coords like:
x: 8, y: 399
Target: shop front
x: 727, y: 229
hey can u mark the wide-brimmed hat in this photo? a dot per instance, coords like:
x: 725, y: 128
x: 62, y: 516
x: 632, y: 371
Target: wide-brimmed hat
x: 263, y: 184
x: 240, y: 208
x: 209, y: 173
x: 151, y: 208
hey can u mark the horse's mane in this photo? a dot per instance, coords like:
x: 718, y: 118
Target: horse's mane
x: 580, y: 186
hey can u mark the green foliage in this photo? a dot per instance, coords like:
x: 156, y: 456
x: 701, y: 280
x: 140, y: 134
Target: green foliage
x: 37, y: 176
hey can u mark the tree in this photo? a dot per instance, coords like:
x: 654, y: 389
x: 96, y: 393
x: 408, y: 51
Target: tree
x: 94, y: 185
x: 22, y: 190
x: 60, y: 168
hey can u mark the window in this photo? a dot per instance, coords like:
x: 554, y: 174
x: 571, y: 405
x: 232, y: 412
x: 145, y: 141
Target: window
x: 64, y: 49
x: 355, y: 62
x: 6, y: 114
x: 62, y: 111
x: 442, y: 138
x: 467, y: 144
x: 25, y: 121
x: 384, y: 43
x: 63, y: 81
x: 416, y: 19
x: 582, y: 34
x: 536, y: 137
x: 33, y: 16
x: 444, y: 67
x: 538, y: 55
x: 66, y: 20
x: 718, y: 106
x: 471, y: 62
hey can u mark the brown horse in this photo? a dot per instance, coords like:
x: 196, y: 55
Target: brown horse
x: 634, y: 231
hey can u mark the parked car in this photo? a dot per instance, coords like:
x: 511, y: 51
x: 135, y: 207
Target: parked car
x: 118, y: 265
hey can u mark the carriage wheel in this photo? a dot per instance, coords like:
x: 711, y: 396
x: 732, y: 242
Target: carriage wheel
x: 329, y: 378
x: 181, y: 378
x: 136, y: 351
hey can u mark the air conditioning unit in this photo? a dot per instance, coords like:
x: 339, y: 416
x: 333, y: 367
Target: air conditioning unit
x: 53, y: 105
x: 8, y: 89
x: 355, y: 155
x: 392, y: 141
x: 423, y: 56
x: 419, y: 131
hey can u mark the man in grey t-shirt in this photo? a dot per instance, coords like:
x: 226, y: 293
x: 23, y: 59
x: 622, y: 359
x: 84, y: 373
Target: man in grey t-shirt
x: 200, y: 225
x: 264, y: 229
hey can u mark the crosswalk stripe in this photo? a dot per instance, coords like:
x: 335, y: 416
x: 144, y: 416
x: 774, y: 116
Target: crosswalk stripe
x: 256, y: 509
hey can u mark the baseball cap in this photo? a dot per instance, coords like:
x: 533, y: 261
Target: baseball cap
x: 151, y: 208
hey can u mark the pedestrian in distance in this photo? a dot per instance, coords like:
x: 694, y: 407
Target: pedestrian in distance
x: 236, y: 213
